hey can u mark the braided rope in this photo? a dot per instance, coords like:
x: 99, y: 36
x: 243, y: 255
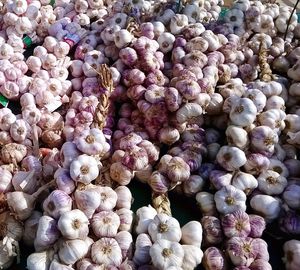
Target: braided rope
x: 161, y: 203
x: 265, y: 70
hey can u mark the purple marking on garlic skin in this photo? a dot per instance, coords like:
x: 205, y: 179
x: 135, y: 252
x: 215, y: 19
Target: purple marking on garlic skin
x: 258, y: 225
x: 236, y: 224
x: 220, y: 178
x: 290, y: 223
x: 212, y: 230
x: 205, y: 170
x: 256, y: 163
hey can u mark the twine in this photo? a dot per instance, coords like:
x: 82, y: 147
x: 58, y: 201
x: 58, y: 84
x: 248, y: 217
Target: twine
x: 101, y: 112
x: 106, y: 82
x: 161, y: 203
x: 265, y: 70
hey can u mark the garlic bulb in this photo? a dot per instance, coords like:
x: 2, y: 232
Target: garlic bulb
x: 165, y: 254
x: 212, y: 230
x: 206, y: 203
x: 236, y: 224
x: 126, y: 219
x: 243, y: 112
x: 214, y: 259
x: 145, y: 215
x: 84, y: 169
x: 231, y: 158
x: 47, y: 233
x: 291, y: 254
x: 106, y: 251
x: 266, y: 206
x: 56, y: 265
x: 192, y: 257
x: 40, y: 260
x: 271, y: 182
x: 108, y: 198
x: 125, y: 242
x: 164, y: 227
x: 258, y: 225
x: 105, y: 224
x: 229, y: 199
x: 142, y: 247
x: 56, y: 203
x: 124, y: 197
x: 242, y: 251
x: 70, y: 251
x: 87, y: 199
x: 73, y: 224
x: 192, y: 233
x: 245, y: 182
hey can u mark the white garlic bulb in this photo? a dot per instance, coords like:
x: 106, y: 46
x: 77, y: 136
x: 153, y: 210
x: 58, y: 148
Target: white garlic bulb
x: 47, y: 233
x: 124, y: 197
x: 192, y: 233
x: 164, y: 227
x: 40, y: 260
x: 144, y: 215
x: 106, y: 251
x: 84, y: 169
x: 142, y: 246
x: 192, y: 257
x: 70, y: 251
x: 266, y: 205
x: 229, y: 199
x: 105, y: 224
x: 165, y: 254
x: 73, y: 224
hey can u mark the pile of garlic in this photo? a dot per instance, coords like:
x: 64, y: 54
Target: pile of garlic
x: 162, y: 243
x: 93, y: 230
x: 165, y: 92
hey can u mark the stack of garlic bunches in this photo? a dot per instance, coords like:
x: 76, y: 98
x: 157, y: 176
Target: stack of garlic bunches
x: 174, y: 94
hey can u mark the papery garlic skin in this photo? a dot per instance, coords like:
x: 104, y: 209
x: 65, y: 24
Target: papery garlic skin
x: 291, y: 254
x: 192, y: 233
x: 192, y: 257
x: 105, y: 224
x: 271, y: 182
x: 231, y: 158
x: 73, y: 224
x: 212, y: 230
x: 47, y: 233
x: 164, y: 227
x: 84, y: 169
x: 241, y: 251
x: 267, y: 206
x: 106, y: 251
x: 236, y: 224
x: 145, y: 215
x: 143, y: 244
x: 40, y: 260
x: 165, y: 254
x: 70, y: 251
x: 214, y: 259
